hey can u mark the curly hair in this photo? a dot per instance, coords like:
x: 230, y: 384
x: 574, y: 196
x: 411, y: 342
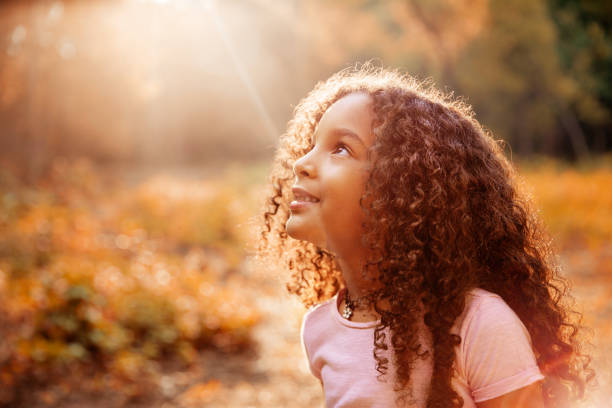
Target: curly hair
x: 445, y: 213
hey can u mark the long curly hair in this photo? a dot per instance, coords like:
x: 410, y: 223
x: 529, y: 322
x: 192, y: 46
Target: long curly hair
x: 445, y: 213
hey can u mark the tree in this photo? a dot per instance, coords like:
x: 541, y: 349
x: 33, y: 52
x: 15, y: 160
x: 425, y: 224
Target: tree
x: 585, y: 49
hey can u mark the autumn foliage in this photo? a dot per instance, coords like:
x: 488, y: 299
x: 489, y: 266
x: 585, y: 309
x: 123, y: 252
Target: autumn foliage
x: 101, y: 275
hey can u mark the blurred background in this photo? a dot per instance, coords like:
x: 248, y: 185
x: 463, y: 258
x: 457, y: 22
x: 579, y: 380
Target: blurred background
x: 135, y: 141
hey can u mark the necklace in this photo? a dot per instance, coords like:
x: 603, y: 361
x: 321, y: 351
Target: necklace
x: 351, y: 304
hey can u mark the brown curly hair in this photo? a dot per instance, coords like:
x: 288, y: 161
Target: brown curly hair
x: 444, y: 214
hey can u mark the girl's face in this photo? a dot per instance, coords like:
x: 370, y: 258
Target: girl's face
x: 334, y: 172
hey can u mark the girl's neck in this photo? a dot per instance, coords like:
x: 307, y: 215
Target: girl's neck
x: 357, y: 286
x: 354, y: 281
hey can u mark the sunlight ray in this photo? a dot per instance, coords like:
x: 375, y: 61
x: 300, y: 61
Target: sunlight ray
x: 252, y: 91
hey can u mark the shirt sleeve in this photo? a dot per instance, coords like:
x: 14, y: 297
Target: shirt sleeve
x: 303, y: 340
x: 498, y: 356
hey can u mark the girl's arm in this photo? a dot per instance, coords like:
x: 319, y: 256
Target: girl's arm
x: 526, y: 397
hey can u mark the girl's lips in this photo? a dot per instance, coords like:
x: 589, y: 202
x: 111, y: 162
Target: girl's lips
x: 298, y: 205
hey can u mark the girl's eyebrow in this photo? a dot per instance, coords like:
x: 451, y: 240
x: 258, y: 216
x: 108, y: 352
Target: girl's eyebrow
x: 343, y: 132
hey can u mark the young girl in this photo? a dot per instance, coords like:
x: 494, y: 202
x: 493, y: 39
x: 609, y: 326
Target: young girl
x: 429, y: 279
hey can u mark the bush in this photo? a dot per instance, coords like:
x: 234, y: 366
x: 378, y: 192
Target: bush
x: 116, y: 278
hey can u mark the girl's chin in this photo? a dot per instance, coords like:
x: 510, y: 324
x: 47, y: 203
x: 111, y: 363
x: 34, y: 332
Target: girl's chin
x: 296, y: 230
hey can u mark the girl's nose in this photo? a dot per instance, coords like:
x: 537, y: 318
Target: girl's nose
x: 303, y: 167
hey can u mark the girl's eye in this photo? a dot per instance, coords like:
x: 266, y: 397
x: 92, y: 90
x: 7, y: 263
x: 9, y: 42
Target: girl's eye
x: 340, y: 147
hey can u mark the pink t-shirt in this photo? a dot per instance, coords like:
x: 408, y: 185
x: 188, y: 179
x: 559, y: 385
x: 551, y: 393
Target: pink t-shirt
x: 495, y: 356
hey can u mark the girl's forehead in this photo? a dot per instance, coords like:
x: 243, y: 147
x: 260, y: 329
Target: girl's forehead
x: 351, y: 102
x: 352, y: 112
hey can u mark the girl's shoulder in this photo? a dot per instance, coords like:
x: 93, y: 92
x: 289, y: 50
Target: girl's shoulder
x: 476, y: 296
x: 495, y: 355
x: 318, y: 319
x: 318, y: 310
x: 482, y: 305
x: 486, y: 313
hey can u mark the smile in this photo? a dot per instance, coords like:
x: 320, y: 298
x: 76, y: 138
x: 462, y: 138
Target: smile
x: 303, y: 203
x: 307, y: 198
